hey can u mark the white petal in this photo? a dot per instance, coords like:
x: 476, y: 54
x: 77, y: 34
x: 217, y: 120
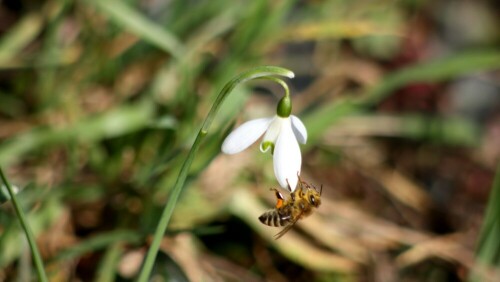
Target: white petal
x: 287, y: 158
x: 299, y: 129
x: 245, y: 135
x: 272, y: 133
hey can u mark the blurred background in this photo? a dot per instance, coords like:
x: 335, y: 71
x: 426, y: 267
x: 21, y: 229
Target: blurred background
x: 100, y: 102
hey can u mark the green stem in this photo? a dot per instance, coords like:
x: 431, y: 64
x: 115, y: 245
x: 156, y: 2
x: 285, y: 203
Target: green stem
x: 488, y: 247
x: 280, y: 82
x: 256, y: 73
x: 24, y: 223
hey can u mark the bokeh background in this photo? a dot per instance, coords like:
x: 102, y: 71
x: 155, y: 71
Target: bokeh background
x: 100, y: 102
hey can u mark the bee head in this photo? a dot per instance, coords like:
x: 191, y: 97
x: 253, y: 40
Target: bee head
x: 314, y: 197
x: 320, y: 191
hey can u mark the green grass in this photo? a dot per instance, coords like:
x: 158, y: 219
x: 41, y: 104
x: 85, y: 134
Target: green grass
x: 101, y: 101
x: 488, y: 246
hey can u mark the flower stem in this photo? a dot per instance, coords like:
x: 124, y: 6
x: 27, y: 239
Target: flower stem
x: 255, y: 73
x: 27, y: 230
x: 284, y: 108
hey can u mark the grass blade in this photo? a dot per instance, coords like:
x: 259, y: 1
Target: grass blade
x: 27, y: 230
x: 139, y: 25
x: 488, y: 248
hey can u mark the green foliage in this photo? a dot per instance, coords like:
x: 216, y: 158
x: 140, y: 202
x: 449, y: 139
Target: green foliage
x: 101, y: 101
x: 488, y: 247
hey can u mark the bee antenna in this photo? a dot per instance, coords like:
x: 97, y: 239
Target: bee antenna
x: 321, y: 190
x: 288, y: 184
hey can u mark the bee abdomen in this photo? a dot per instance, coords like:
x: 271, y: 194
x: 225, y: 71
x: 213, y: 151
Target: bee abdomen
x: 273, y: 218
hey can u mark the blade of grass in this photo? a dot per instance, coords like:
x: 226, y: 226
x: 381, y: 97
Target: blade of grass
x: 438, y: 70
x: 443, y: 130
x: 99, y: 242
x: 48, y: 210
x: 4, y: 193
x: 107, y: 266
x: 19, y: 36
x: 488, y: 247
x: 117, y: 122
x: 256, y: 73
x: 139, y: 25
x: 27, y: 230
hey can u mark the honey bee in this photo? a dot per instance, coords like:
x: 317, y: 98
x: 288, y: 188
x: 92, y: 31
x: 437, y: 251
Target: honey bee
x: 288, y: 211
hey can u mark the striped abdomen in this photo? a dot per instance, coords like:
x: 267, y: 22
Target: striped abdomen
x: 273, y: 218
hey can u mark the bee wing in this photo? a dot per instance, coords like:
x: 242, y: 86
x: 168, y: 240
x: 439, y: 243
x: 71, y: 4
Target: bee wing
x: 287, y: 228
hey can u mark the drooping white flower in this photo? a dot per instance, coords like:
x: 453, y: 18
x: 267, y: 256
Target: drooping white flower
x: 282, y: 135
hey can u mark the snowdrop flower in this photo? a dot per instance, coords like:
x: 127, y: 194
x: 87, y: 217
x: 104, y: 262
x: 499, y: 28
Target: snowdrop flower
x: 281, y: 136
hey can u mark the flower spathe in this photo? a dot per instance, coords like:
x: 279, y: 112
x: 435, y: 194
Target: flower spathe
x: 282, y: 135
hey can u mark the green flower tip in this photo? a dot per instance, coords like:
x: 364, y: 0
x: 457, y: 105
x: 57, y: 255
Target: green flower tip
x: 266, y: 145
x: 284, y: 107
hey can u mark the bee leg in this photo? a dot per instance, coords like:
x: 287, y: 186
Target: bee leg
x: 279, y: 198
x: 288, y: 185
x: 285, y: 218
x: 283, y: 232
x: 287, y: 227
x: 302, y: 182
